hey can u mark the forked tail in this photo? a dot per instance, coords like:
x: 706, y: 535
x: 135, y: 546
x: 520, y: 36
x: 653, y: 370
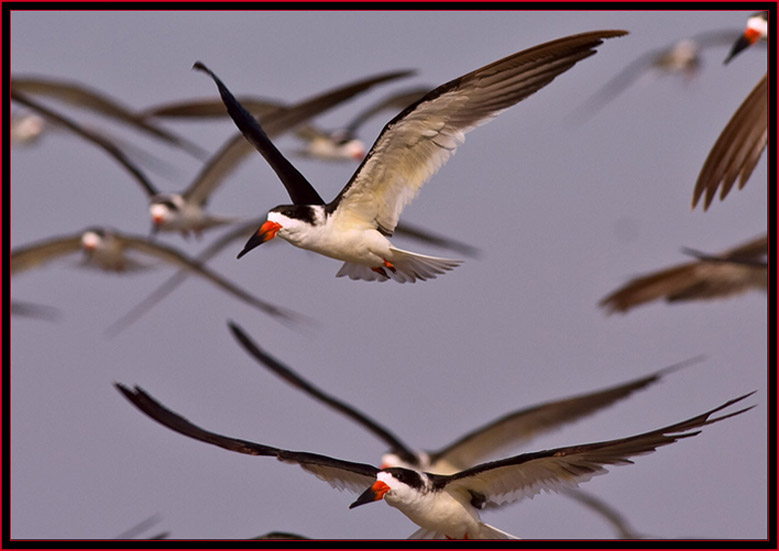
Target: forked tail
x: 408, y: 267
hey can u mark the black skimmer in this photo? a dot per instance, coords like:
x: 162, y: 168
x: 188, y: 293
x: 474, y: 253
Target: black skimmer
x: 510, y: 431
x: 409, y: 150
x: 185, y: 211
x: 244, y: 230
x: 82, y: 96
x: 732, y: 272
x: 757, y: 30
x: 343, y: 144
x: 743, y: 140
x: 447, y: 506
x: 107, y: 249
x: 26, y: 128
x: 683, y: 57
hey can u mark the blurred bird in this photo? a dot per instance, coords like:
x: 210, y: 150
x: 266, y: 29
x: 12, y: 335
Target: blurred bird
x: 26, y: 128
x: 244, y: 230
x: 510, y: 431
x: 343, y: 144
x: 447, y: 506
x: 684, y: 57
x: 743, y: 140
x: 82, y: 96
x: 732, y: 272
x: 107, y: 249
x: 410, y: 149
x: 185, y: 211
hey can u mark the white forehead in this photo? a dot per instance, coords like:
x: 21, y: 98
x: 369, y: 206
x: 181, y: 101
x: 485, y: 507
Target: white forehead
x: 758, y: 24
x: 387, y: 478
x: 158, y: 209
x: 90, y: 240
x: 353, y: 148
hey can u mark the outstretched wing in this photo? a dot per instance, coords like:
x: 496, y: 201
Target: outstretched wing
x: 734, y: 272
x: 338, y: 473
x: 737, y: 150
x: 37, y: 254
x: 559, y: 469
x: 519, y: 427
x: 418, y: 141
x: 172, y: 256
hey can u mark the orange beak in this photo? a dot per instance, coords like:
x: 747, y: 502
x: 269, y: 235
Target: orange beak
x: 749, y: 37
x: 374, y: 493
x: 266, y: 232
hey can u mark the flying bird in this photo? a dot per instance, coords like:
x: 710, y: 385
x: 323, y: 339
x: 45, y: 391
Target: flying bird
x: 80, y: 95
x: 448, y: 506
x: 743, y: 140
x: 243, y: 230
x: 185, y: 211
x: 107, y: 249
x: 730, y: 273
x: 343, y: 144
x: 354, y: 226
x: 26, y: 128
x: 510, y: 431
x: 684, y: 57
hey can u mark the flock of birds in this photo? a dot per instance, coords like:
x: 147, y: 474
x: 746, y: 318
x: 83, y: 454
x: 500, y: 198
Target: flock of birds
x: 441, y: 491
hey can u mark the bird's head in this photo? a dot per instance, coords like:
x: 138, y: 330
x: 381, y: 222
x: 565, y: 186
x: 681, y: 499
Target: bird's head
x: 164, y: 209
x: 757, y: 29
x: 396, y: 483
x: 288, y: 221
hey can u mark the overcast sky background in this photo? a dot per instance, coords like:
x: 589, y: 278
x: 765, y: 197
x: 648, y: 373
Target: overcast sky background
x: 563, y: 214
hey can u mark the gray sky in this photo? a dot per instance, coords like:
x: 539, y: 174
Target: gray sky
x: 562, y: 213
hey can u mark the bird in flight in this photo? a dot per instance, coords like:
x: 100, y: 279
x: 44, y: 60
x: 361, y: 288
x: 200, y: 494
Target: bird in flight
x: 354, y: 226
x: 448, y: 506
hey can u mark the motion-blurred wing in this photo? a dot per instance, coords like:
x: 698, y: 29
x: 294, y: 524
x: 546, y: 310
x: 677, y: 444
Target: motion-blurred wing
x: 338, y: 473
x: 737, y: 150
x: 38, y: 254
x: 518, y: 428
x: 702, y: 279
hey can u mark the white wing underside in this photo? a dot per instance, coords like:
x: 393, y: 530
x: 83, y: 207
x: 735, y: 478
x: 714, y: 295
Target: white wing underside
x: 414, y: 145
x: 401, y: 161
x: 408, y: 268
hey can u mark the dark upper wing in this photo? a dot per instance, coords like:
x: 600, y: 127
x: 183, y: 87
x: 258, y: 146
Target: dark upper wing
x: 617, y: 84
x: 172, y: 256
x: 274, y: 123
x: 519, y: 427
x: 299, y: 189
x: 208, y: 108
x: 101, y: 141
x: 36, y: 254
x: 340, y: 474
x: 558, y: 469
x: 297, y: 381
x: 82, y: 96
x: 398, y: 100
x: 701, y: 279
x: 752, y: 253
x: 242, y: 230
x: 738, y: 148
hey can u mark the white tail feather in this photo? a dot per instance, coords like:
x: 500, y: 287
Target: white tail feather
x: 486, y: 532
x: 408, y: 268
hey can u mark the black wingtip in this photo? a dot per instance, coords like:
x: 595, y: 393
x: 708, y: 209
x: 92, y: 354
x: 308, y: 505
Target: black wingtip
x: 198, y: 65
